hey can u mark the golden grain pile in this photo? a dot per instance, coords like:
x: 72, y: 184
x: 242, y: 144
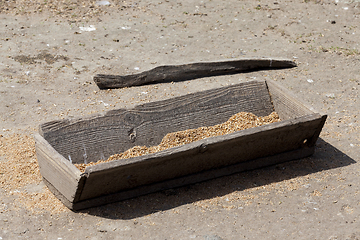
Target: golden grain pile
x: 18, y: 169
x: 237, y: 122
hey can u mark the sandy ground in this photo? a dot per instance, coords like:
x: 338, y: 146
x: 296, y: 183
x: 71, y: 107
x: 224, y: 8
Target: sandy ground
x: 50, y: 50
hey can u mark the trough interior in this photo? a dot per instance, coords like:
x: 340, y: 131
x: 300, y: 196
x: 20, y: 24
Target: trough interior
x: 92, y: 139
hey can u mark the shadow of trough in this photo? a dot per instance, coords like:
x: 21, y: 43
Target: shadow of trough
x: 325, y: 157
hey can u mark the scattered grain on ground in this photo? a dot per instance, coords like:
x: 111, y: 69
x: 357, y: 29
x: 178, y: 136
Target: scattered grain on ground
x: 19, y: 168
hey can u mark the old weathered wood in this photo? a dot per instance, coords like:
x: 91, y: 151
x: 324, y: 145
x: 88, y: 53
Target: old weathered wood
x: 285, y: 104
x: 190, y: 179
x: 189, y: 71
x: 199, y: 156
x: 85, y: 140
x: 63, y: 175
x: 99, y: 137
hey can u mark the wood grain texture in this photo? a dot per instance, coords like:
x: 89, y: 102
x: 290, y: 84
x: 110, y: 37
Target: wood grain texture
x: 100, y: 136
x: 69, y: 203
x: 191, y: 179
x: 63, y: 175
x: 190, y: 71
x: 199, y: 156
x: 285, y: 103
x: 87, y: 140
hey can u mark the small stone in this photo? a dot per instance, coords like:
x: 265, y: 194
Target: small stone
x: 330, y: 95
x: 212, y: 237
x: 87, y: 29
x: 102, y: 3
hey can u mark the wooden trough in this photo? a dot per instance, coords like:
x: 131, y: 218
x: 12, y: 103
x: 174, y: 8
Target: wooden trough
x: 61, y: 143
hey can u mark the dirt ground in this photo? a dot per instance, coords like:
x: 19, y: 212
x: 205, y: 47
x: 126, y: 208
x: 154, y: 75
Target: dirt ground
x: 50, y: 50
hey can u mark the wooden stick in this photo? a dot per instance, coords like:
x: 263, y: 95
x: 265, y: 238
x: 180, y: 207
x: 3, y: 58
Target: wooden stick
x: 190, y: 71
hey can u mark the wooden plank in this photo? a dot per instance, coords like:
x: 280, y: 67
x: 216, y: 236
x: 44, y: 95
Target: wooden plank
x: 68, y: 203
x: 63, y: 175
x: 190, y: 71
x: 86, y: 140
x: 285, y: 103
x: 288, y: 106
x: 194, y: 178
x: 216, y: 152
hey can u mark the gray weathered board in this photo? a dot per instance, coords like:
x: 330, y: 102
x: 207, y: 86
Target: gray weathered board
x: 190, y: 71
x: 61, y: 143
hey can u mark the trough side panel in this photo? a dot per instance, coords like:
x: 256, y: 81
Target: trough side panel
x: 90, y: 140
x: 200, y: 156
x: 194, y: 178
x: 198, y: 110
x: 56, y: 170
x: 285, y: 104
x: 97, y: 138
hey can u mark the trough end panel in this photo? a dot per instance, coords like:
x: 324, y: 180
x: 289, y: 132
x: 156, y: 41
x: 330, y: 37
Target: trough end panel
x: 285, y: 104
x: 59, y: 172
